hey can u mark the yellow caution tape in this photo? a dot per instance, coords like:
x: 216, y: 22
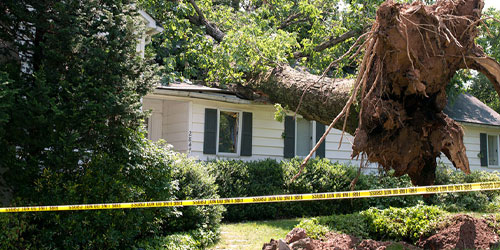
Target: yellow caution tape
x: 270, y: 198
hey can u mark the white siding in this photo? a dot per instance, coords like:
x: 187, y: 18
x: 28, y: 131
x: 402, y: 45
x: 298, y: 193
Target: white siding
x: 267, y: 141
x: 183, y: 119
x: 169, y: 120
x: 176, y: 124
x: 472, y: 145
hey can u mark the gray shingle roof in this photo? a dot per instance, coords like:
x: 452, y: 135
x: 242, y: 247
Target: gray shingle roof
x: 467, y: 108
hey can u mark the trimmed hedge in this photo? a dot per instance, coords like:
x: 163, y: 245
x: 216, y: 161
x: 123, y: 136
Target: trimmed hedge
x: 271, y: 177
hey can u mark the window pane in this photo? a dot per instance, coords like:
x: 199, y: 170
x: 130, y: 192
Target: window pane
x: 492, y: 150
x: 304, y: 137
x: 228, y: 132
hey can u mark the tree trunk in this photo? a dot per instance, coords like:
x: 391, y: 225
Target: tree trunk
x: 411, y: 55
x: 323, y: 98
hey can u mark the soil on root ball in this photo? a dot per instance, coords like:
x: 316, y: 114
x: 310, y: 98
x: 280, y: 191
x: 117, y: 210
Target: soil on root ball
x: 458, y: 232
x: 462, y: 232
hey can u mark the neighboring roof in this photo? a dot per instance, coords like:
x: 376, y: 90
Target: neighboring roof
x: 467, y: 108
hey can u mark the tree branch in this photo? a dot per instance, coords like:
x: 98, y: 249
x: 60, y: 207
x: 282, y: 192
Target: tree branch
x: 212, y: 29
x: 291, y: 20
x: 332, y: 41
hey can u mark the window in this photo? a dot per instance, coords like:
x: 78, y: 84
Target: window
x: 488, y: 150
x: 492, y: 150
x: 228, y: 132
x: 298, y: 137
x: 303, y: 139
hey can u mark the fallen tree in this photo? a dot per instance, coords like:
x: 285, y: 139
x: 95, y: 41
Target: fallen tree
x: 411, y: 53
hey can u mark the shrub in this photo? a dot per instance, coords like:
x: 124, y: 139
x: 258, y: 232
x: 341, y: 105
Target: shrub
x: 467, y: 201
x: 192, y: 240
x: 153, y: 172
x: 195, y: 182
x: 353, y: 224
x: 145, y: 176
x: 268, y: 177
x: 382, y: 181
x: 401, y: 223
x: 313, y: 228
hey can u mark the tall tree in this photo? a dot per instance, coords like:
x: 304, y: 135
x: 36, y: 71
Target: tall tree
x: 276, y: 50
x: 70, y: 124
x: 490, y: 41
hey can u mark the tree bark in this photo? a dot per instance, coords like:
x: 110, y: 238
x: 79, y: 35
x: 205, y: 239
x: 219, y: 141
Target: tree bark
x: 323, y: 98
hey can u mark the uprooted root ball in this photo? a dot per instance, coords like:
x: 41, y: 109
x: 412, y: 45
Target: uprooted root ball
x: 412, y: 53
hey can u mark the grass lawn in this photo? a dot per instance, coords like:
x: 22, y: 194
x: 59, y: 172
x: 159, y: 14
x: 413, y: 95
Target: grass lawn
x: 252, y: 235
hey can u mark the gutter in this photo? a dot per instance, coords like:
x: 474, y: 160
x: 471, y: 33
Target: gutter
x: 200, y: 95
x: 480, y: 125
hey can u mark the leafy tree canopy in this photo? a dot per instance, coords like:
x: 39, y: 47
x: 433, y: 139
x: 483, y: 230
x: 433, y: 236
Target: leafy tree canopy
x: 480, y: 86
x: 257, y: 35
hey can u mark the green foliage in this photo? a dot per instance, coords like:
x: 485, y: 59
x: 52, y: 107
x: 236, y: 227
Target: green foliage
x: 313, y: 228
x: 280, y: 113
x: 268, y: 177
x: 352, y: 224
x: 489, y: 40
x: 381, y: 181
x: 195, y: 183
x: 146, y: 176
x: 71, y: 133
x: 258, y: 35
x: 467, y: 201
x: 192, y: 240
x: 402, y: 223
x: 179, y: 241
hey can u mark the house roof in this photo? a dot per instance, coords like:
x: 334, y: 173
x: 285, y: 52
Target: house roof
x: 152, y: 28
x: 467, y: 108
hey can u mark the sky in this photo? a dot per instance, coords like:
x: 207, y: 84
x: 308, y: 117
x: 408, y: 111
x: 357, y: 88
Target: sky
x: 492, y: 3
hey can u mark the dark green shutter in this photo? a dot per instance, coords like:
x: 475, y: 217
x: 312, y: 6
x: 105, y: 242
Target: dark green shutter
x: 483, y: 139
x: 320, y: 130
x: 289, y: 147
x: 210, y: 134
x: 246, y: 134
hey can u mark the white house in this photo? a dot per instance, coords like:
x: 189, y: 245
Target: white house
x: 210, y: 123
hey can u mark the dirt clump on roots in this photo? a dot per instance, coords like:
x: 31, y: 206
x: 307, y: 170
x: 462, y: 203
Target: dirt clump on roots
x: 411, y: 54
x: 457, y: 232
x: 297, y: 239
x: 462, y: 232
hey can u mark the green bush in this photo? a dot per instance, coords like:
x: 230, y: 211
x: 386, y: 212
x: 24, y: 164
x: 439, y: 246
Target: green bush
x: 401, y: 223
x: 238, y: 179
x: 195, y: 182
x: 145, y: 176
x: 191, y: 240
x: 353, y: 224
x: 467, y: 201
x: 269, y: 177
x: 313, y: 228
x: 153, y: 172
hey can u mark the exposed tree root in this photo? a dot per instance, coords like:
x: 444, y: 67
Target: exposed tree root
x: 416, y: 51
